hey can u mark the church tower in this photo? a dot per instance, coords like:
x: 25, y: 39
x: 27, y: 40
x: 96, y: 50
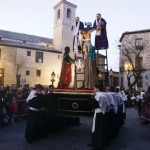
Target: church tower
x: 63, y: 20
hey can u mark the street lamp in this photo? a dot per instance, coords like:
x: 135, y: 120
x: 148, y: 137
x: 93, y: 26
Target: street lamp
x: 111, y: 76
x: 127, y: 66
x: 53, y: 78
x: 1, y: 72
x: 100, y: 76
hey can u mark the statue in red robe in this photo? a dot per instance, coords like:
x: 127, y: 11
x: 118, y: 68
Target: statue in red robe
x: 66, y: 72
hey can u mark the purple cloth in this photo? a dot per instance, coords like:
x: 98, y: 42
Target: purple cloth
x: 101, y: 41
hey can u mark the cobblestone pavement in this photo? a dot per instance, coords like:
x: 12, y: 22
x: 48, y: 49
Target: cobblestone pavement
x: 132, y: 136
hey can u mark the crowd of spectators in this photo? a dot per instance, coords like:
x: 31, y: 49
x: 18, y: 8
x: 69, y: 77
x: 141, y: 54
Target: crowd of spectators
x: 134, y: 98
x: 9, y: 96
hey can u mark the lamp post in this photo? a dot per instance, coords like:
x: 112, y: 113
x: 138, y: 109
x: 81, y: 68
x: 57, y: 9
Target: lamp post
x: 128, y: 67
x: 1, y: 72
x: 111, y: 77
x: 1, y: 76
x: 53, y: 78
x: 100, y: 76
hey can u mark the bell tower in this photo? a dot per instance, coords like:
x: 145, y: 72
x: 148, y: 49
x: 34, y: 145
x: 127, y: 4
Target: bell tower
x: 64, y: 15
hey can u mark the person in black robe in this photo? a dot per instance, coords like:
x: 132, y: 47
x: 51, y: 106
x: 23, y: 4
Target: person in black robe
x: 34, y: 102
x: 100, y: 103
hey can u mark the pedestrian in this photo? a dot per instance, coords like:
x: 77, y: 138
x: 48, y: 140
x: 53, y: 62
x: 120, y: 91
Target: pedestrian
x: 133, y: 99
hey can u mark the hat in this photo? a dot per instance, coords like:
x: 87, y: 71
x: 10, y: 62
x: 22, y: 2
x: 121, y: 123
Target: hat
x: 88, y: 23
x: 98, y: 14
x: 77, y: 18
x: 118, y: 87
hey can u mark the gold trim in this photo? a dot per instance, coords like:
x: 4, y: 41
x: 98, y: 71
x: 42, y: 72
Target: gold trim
x: 72, y: 93
x: 72, y: 99
x: 75, y: 105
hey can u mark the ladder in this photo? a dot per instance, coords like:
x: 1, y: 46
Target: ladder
x: 79, y: 72
x: 102, y: 67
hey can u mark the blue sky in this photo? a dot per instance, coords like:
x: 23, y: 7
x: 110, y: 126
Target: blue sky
x: 35, y: 17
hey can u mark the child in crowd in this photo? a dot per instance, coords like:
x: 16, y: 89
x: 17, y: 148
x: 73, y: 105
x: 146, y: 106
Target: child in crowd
x: 5, y: 117
x: 13, y: 110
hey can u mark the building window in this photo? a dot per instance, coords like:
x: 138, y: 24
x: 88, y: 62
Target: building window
x: 139, y: 44
x: 27, y: 72
x: 38, y: 73
x: 58, y: 14
x: 68, y: 13
x: 39, y: 57
x: 28, y: 53
x: 138, y: 63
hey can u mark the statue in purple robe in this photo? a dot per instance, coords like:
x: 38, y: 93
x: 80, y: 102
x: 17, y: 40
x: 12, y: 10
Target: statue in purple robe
x: 101, y: 41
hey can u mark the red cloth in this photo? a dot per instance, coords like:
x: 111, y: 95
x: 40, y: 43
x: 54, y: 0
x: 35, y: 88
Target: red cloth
x: 65, y: 76
x: 13, y: 107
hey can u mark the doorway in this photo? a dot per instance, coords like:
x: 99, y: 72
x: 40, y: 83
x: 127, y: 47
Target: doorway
x: 2, y: 76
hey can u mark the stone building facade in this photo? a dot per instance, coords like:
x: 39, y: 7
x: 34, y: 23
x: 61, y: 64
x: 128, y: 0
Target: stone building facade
x: 29, y: 59
x: 135, y: 41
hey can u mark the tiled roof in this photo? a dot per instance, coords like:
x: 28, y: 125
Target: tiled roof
x: 134, y: 32
x: 65, y: 2
x: 24, y: 37
x: 21, y: 40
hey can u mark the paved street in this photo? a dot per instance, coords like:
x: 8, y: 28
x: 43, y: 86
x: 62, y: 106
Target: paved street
x: 133, y: 136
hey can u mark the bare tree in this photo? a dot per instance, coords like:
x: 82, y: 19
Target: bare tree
x: 132, y: 49
x: 18, y: 76
x: 11, y: 58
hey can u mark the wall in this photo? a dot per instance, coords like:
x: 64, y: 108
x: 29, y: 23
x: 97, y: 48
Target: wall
x: 145, y: 54
x: 13, y: 57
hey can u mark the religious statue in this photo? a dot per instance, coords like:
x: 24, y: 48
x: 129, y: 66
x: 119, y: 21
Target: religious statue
x: 89, y: 58
x: 101, y: 41
x: 76, y: 31
x: 66, y: 71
